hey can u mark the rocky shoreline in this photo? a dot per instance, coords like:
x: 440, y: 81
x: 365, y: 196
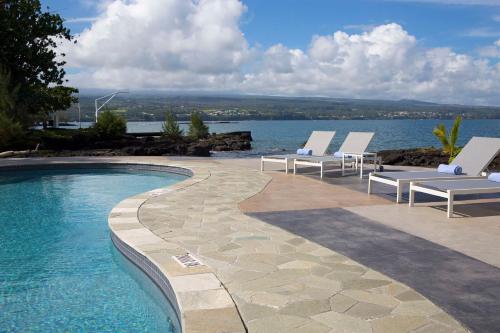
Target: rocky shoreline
x: 130, y: 145
x: 422, y: 157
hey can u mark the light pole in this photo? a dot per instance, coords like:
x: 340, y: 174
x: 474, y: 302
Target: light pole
x: 109, y: 98
x: 79, y: 112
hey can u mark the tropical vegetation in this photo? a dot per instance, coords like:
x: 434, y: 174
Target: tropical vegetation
x: 110, y: 125
x: 170, y: 127
x: 197, y: 128
x: 449, y: 141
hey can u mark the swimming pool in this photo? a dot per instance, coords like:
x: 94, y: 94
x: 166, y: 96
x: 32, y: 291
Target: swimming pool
x: 59, y: 270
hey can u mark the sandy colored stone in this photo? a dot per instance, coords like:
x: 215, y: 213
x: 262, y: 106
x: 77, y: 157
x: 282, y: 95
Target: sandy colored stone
x: 341, y: 303
x: 213, y: 321
x: 340, y: 323
x: 368, y: 310
x: 417, y: 308
x: 306, y: 308
x: 397, y: 324
x: 276, y: 324
x: 205, y: 300
x: 370, y: 297
x: 409, y: 295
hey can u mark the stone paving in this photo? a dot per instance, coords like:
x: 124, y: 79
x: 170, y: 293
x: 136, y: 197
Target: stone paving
x: 281, y: 282
x: 258, y: 277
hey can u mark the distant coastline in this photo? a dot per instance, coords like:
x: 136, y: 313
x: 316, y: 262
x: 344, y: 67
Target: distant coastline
x: 151, y: 107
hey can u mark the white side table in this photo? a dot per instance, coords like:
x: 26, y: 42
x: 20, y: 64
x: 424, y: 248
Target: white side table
x: 361, y: 159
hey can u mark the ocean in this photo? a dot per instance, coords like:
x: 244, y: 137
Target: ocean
x: 274, y: 136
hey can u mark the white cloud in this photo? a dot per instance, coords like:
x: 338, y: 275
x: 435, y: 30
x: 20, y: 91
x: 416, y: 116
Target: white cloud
x: 198, y: 45
x: 386, y: 62
x: 482, y: 32
x: 173, y: 38
x: 492, y: 51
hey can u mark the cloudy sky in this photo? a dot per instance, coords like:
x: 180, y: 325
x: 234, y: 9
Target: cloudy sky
x: 445, y: 51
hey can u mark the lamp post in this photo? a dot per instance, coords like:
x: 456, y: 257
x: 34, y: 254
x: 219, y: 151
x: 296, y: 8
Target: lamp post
x: 79, y: 113
x: 109, y: 98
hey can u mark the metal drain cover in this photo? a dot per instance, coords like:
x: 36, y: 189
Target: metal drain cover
x: 187, y: 260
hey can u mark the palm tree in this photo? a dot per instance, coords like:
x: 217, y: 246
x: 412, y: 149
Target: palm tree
x: 449, y: 141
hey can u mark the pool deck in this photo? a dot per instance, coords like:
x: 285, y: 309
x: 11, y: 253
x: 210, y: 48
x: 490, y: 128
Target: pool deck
x: 285, y: 253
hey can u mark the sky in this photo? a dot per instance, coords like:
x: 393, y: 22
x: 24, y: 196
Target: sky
x: 445, y: 51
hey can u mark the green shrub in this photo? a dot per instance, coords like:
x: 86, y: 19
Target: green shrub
x: 170, y: 128
x: 197, y: 129
x: 110, y: 125
x: 11, y: 133
x: 449, y: 141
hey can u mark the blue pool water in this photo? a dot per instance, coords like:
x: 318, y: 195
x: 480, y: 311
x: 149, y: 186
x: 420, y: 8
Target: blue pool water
x: 59, y: 271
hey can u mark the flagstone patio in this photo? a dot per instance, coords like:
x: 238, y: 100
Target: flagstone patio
x: 258, y: 277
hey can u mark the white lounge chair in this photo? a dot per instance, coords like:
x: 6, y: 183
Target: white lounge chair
x: 318, y: 142
x: 354, y: 145
x: 474, y: 158
x: 449, y: 188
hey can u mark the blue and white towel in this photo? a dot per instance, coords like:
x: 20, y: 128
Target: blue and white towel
x: 339, y: 154
x: 452, y: 169
x: 304, y: 151
x: 494, y: 177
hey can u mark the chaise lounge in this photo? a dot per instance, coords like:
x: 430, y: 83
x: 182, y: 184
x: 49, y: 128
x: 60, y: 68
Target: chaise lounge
x: 318, y: 143
x: 473, y: 159
x: 449, y: 188
x: 354, y: 146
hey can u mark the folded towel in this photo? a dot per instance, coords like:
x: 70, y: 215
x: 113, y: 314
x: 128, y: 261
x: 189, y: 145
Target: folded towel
x: 304, y: 151
x: 339, y: 154
x: 494, y: 177
x: 451, y: 169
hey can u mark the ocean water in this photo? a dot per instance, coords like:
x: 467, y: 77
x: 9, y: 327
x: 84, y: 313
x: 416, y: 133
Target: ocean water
x: 59, y: 271
x: 287, y: 135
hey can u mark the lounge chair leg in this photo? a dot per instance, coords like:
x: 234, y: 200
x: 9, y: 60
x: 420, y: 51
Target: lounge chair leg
x: 261, y: 165
x: 369, y: 184
x: 450, y: 205
x: 294, y: 167
x: 361, y: 169
x: 399, y: 194
x: 321, y: 171
x: 411, y: 202
x: 286, y: 166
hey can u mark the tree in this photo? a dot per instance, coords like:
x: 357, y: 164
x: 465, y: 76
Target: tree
x: 449, y: 141
x: 8, y: 94
x: 110, y: 125
x: 28, y: 53
x: 170, y: 128
x: 11, y: 132
x: 197, y: 129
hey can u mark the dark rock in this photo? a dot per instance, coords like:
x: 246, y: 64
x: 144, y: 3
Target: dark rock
x: 233, y: 141
x: 424, y: 157
x: 200, y: 148
x: 88, y: 143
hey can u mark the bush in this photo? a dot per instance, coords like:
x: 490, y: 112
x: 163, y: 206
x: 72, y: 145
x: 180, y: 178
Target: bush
x: 170, y: 128
x: 11, y: 133
x: 197, y: 129
x: 110, y: 125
